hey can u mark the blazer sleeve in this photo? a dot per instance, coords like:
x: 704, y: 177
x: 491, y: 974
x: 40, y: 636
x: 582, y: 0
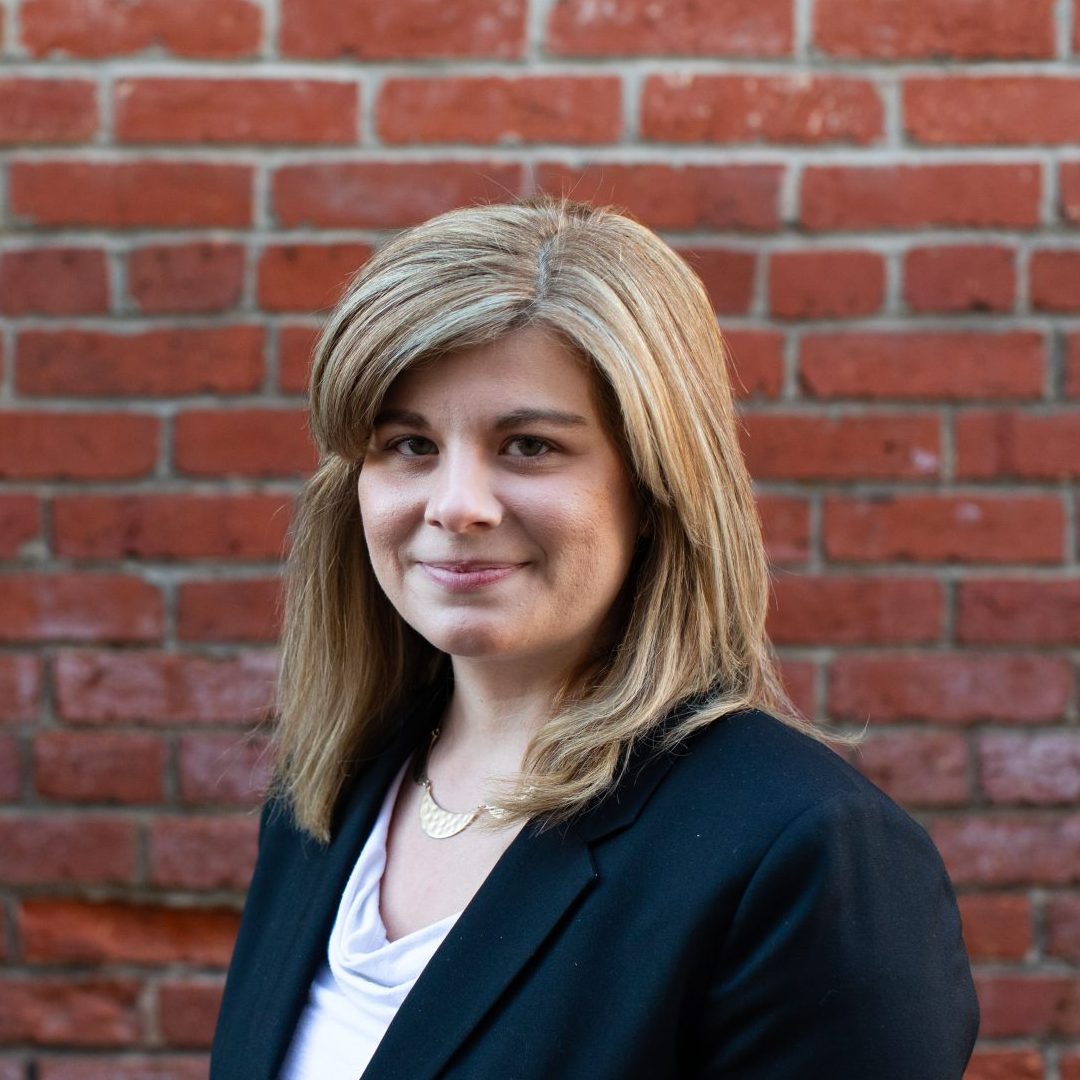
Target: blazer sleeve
x: 844, y: 958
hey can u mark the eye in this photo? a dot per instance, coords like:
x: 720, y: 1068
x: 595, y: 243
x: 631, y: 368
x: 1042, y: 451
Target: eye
x: 530, y: 446
x: 399, y: 445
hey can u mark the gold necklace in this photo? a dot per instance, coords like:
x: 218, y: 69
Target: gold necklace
x: 438, y: 822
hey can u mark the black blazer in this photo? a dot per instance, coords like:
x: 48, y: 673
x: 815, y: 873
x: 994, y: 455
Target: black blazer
x: 749, y: 907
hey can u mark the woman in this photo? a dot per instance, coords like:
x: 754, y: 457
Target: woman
x: 543, y: 809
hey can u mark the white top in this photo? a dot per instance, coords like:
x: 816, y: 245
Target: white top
x: 365, y: 978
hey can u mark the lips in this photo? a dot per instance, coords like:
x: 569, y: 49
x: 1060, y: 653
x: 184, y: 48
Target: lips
x: 467, y: 576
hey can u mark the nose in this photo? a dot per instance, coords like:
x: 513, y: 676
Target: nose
x: 462, y: 498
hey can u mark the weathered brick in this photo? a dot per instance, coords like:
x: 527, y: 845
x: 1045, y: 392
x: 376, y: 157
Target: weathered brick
x: 1028, y: 612
x: 171, y: 526
x: 1019, y: 1005
x: 997, y: 926
x: 163, y: 688
x: 810, y: 610
x: 76, y: 766
x: 1072, y: 365
x: 756, y: 362
x: 1070, y: 190
x: 69, y: 1011
x: 157, y: 1067
x: 950, y: 688
x: 385, y: 194
x: 1041, y: 849
x: 672, y: 27
x: 825, y: 284
x: 944, y: 528
x: 960, y: 277
x: 47, y: 111
x: 83, y: 849
x: 20, y: 686
x: 224, y: 770
x: 994, y: 110
x: 216, y: 29
x: 229, y: 610
x: 81, y: 932
x: 1002, y: 445
x: 20, y: 523
x: 933, y: 29
x: 785, y: 525
x: 203, y: 853
x: 800, y: 447
x: 915, y: 196
x: 488, y: 110
x: 277, y: 110
x: 727, y: 274
x: 752, y: 108
x: 172, y: 278
x: 307, y: 277
x: 917, y: 768
x: 147, y: 363
x: 70, y: 606
x: 997, y: 1064
x: 666, y: 197
x: 1063, y: 926
x: 296, y: 344
x: 9, y: 774
x: 249, y: 442
x: 54, y: 281
x: 407, y: 29
x: 1055, y: 280
x: 130, y: 194
x: 1030, y: 769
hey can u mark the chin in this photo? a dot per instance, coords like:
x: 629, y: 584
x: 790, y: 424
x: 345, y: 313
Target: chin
x: 475, y: 641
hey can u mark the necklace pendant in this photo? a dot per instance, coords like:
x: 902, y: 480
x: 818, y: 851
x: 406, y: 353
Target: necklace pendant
x: 439, y: 823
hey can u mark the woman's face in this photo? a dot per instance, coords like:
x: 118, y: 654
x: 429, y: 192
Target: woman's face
x: 499, y: 516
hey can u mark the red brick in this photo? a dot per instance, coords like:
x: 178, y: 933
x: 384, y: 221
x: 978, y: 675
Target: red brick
x: 69, y: 1011
x: 950, y: 688
x: 1012, y: 1006
x: 20, y: 687
x: 498, y: 110
x: 147, y: 363
x: 997, y: 927
x: 1072, y: 370
x: 666, y: 197
x: 171, y: 278
x: 47, y: 445
x: 960, y: 277
x: 158, y: 1067
x: 950, y: 366
x: 385, y: 195
x: 1055, y: 280
x: 203, y: 853
x: 215, y: 29
x: 407, y: 29
x: 171, y: 526
x: 916, y: 196
x: 944, y: 528
x: 307, y: 277
x: 785, y: 524
x: 80, y: 767
x: 752, y: 108
x: 854, y: 610
x: 296, y: 345
x: 78, y: 932
x: 71, y: 849
x: 188, y: 1012
x: 798, y: 679
x: 20, y: 524
x: 1018, y: 850
x: 917, y: 768
x: 1030, y: 769
x: 224, y: 770
x: 825, y: 284
x: 671, y: 27
x: 131, y: 194
x: 1063, y: 926
x: 47, y: 110
x: 229, y: 610
x: 995, y: 1064
x: 275, y: 110
x: 1045, y: 612
x: 994, y: 110
x: 1070, y: 187
x: 54, y: 281
x: 756, y: 362
x: 795, y: 446
x: 70, y: 606
x: 163, y: 688
x: 249, y: 442
x: 9, y: 774
x: 996, y: 445
x: 932, y: 29
x: 727, y: 274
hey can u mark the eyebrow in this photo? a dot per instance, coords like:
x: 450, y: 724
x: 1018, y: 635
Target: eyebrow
x: 518, y: 417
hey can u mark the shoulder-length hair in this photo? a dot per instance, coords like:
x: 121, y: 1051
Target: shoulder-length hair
x: 692, y: 613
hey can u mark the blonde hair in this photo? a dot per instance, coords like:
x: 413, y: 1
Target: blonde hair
x: 694, y: 609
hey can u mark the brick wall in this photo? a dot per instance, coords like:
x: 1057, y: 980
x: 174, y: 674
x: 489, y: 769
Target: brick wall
x: 883, y: 197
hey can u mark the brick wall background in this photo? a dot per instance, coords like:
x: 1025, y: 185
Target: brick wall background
x: 883, y: 197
